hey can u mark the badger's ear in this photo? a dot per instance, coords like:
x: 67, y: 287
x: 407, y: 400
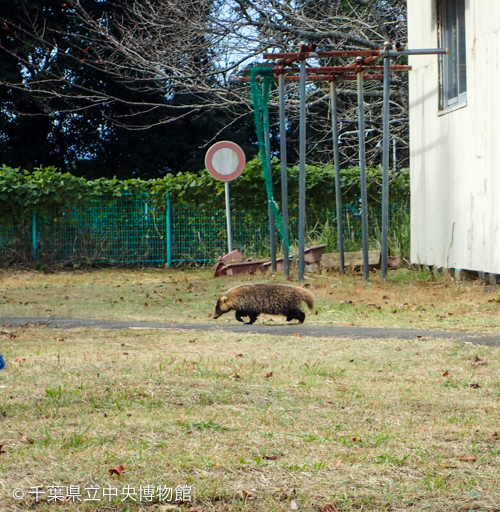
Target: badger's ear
x: 223, y: 299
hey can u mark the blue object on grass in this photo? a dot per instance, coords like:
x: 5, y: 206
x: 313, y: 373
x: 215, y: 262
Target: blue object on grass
x: 2, y: 363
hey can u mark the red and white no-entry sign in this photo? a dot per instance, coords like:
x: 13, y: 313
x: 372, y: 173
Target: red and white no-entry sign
x: 225, y: 160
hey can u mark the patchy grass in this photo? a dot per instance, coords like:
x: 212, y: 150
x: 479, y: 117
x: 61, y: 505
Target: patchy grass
x: 406, y: 299
x: 250, y: 422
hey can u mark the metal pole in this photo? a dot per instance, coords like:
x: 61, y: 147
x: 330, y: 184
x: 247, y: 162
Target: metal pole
x: 362, y: 167
x: 284, y: 177
x: 228, y: 218
x: 394, y: 156
x: 356, y: 53
x: 302, y: 169
x: 33, y: 235
x: 423, y: 51
x: 338, y: 192
x: 272, y: 232
x: 385, y: 167
x: 169, y: 231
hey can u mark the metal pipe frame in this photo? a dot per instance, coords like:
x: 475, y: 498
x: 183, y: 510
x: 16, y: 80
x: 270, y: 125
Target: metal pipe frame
x: 332, y: 76
x: 338, y: 192
x: 228, y: 217
x: 355, y: 53
x: 334, y: 69
x: 168, y: 220
x: 362, y: 167
x: 284, y: 173
x: 302, y: 169
x: 385, y: 167
x: 335, y: 73
x: 272, y: 231
x: 33, y: 235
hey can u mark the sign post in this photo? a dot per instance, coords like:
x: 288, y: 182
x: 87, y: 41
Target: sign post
x: 225, y: 161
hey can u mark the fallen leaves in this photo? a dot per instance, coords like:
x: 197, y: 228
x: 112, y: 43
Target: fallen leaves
x: 245, y: 495
x: 26, y: 439
x: 268, y: 375
x: 20, y: 360
x: 288, y: 493
x: 328, y: 507
x: 467, y: 458
x: 7, y: 334
x: 118, y: 470
x: 478, y: 362
x: 2, y: 451
x: 446, y: 374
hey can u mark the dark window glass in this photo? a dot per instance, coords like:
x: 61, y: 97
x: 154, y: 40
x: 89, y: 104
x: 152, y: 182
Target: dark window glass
x: 453, y: 66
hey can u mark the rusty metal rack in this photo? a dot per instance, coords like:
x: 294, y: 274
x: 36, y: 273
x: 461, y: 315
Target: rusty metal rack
x: 363, y: 68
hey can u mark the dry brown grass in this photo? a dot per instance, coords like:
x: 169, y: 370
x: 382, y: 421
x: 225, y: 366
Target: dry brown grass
x: 250, y: 422
x: 407, y: 299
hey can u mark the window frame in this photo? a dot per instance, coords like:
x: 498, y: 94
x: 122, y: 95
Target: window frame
x: 452, y: 67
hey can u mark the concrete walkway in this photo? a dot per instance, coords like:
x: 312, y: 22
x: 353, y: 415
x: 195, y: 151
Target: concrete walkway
x: 317, y: 331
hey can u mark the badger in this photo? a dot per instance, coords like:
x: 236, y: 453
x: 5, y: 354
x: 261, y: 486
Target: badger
x: 250, y: 300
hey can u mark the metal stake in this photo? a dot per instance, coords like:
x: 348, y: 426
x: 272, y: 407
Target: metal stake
x: 169, y: 230
x: 385, y: 166
x: 33, y: 235
x: 284, y: 181
x: 362, y: 167
x: 228, y: 217
x: 272, y: 232
x: 302, y: 169
x: 394, y: 156
x: 338, y: 192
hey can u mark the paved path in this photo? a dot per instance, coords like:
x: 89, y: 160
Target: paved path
x: 317, y: 331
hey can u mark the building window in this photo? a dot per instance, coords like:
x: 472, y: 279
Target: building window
x: 453, y: 66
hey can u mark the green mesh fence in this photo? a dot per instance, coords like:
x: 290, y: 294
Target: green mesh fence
x: 132, y: 230
x: 117, y: 230
x: 15, y: 239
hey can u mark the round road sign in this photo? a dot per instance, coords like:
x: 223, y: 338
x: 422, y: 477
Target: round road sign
x: 225, y: 160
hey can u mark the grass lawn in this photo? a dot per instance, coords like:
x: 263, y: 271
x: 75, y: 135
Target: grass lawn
x: 247, y: 422
x: 406, y: 299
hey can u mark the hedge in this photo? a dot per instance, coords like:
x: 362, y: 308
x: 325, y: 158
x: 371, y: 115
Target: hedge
x: 47, y: 189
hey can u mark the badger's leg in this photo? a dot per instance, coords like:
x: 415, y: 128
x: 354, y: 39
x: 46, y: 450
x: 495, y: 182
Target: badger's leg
x: 240, y: 314
x: 252, y: 317
x: 295, y: 313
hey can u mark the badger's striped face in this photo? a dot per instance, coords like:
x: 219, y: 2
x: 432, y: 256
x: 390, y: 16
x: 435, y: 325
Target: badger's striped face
x: 222, y: 307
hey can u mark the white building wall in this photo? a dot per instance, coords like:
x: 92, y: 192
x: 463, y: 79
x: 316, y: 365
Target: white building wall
x: 455, y: 157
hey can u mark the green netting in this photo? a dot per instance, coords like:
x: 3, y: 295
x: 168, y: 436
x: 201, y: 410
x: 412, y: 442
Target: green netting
x: 15, y: 239
x: 201, y: 235
x: 132, y: 230
x: 127, y: 229
x: 260, y: 100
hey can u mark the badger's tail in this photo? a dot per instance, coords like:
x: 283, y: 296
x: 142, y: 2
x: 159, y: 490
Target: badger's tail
x: 308, y: 298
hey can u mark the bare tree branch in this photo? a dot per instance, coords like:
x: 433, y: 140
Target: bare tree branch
x: 177, y: 56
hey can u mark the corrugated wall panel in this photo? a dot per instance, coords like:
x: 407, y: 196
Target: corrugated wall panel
x: 455, y: 169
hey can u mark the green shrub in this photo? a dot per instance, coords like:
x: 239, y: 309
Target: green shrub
x: 46, y: 189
